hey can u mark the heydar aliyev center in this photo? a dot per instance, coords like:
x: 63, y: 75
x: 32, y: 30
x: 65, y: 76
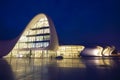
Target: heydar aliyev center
x: 39, y: 40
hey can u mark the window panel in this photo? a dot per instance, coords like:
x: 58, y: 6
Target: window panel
x: 47, y: 30
x: 32, y: 32
x: 22, y: 45
x: 31, y: 39
x: 47, y: 37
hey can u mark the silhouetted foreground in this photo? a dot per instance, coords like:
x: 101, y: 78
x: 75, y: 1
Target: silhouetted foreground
x: 65, y: 69
x: 5, y: 70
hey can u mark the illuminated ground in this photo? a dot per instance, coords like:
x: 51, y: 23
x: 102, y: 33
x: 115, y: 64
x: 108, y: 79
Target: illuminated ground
x: 66, y: 69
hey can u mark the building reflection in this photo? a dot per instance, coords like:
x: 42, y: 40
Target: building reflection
x: 28, y: 69
x: 52, y: 69
x: 98, y: 62
x: 71, y: 63
x: 95, y: 62
x: 89, y: 68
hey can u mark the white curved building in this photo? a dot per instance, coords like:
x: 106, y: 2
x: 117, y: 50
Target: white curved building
x: 39, y: 40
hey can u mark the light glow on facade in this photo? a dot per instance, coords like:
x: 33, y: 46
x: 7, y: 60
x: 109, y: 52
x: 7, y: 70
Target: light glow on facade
x: 39, y: 40
x: 98, y: 51
x: 108, y: 50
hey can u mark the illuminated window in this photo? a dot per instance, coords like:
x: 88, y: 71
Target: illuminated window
x: 33, y: 45
x: 46, y: 23
x: 47, y: 30
x: 62, y: 48
x: 39, y: 24
x: 45, y: 44
x: 42, y: 44
x: 39, y: 31
x: 47, y: 37
x: 42, y: 22
x: 31, y: 39
x: 22, y: 45
x: 38, y: 45
x: 39, y: 38
x: 29, y: 45
x: 32, y: 32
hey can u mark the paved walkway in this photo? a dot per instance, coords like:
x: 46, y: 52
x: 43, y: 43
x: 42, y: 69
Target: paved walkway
x: 66, y: 69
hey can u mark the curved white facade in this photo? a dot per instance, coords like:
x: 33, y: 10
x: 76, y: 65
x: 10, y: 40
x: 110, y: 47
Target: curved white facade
x: 39, y: 39
x: 98, y: 51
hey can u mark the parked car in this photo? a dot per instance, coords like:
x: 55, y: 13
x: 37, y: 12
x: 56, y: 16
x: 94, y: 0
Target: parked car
x: 59, y: 57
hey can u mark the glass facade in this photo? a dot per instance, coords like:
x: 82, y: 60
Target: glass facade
x: 36, y: 41
x: 70, y: 51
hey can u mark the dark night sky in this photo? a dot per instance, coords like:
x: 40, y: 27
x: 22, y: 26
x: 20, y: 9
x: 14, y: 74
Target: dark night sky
x: 86, y: 22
